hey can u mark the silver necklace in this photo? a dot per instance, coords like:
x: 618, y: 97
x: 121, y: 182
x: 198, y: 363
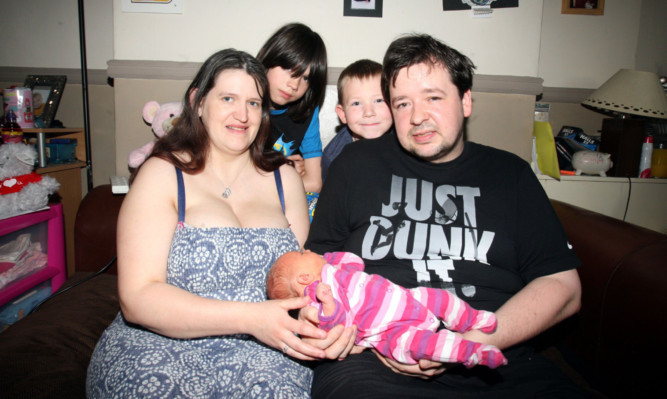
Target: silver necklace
x: 228, y: 191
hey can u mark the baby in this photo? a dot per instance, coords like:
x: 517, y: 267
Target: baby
x: 401, y: 324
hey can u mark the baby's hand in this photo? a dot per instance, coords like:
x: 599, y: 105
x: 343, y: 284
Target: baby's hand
x: 325, y: 297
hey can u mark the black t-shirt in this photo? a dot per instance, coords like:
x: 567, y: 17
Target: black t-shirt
x: 480, y: 226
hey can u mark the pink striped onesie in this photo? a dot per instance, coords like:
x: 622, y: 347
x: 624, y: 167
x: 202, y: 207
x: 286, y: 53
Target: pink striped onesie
x: 402, y: 323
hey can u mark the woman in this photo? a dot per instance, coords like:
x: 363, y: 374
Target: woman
x: 199, y: 229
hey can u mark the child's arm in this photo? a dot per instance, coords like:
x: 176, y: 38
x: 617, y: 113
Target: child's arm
x: 310, y: 171
x: 312, y: 178
x: 311, y: 150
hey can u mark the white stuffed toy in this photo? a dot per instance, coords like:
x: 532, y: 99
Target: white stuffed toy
x: 161, y: 118
x: 21, y: 189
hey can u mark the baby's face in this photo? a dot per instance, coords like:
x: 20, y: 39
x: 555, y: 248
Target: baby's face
x: 364, y: 110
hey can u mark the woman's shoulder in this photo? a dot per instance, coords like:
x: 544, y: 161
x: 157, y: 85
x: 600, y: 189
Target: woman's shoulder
x: 155, y: 175
x: 155, y: 166
x: 288, y: 174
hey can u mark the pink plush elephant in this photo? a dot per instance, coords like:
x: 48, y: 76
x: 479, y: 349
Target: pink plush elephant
x: 161, y: 118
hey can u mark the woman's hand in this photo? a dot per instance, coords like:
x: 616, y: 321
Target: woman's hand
x: 274, y: 326
x: 299, y: 163
x: 339, y: 341
x: 425, y: 369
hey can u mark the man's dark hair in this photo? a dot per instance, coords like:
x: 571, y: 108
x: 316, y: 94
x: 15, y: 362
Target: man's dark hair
x: 361, y: 69
x: 416, y: 49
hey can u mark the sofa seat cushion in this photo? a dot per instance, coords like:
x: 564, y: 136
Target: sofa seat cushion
x: 53, y: 363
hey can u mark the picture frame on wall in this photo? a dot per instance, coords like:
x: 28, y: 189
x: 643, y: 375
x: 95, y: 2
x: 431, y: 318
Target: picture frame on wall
x: 362, y: 8
x: 583, y: 7
x: 46, y: 93
x: 456, y: 5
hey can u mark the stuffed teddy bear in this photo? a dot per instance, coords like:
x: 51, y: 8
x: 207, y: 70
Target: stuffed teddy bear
x: 21, y: 189
x: 161, y: 118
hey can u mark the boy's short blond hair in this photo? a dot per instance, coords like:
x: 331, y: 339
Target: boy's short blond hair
x: 361, y: 69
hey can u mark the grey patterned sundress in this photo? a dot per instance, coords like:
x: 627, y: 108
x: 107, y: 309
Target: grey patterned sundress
x: 222, y: 263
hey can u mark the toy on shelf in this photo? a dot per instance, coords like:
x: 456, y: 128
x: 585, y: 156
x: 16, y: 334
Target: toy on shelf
x: 161, y: 118
x: 591, y: 163
x: 21, y: 189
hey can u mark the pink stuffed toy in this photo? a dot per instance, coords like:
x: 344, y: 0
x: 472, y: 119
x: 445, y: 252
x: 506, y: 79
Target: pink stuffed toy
x: 161, y: 118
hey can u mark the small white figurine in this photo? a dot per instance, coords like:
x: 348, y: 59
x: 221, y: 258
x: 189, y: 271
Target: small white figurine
x: 591, y: 163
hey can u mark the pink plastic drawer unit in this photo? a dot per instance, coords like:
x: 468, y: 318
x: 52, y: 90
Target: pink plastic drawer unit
x: 46, y: 229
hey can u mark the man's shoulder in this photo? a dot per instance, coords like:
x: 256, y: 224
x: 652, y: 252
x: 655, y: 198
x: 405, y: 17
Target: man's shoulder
x: 372, y: 146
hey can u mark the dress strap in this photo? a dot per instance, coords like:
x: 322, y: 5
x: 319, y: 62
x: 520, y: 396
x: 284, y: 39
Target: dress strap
x: 181, y: 197
x: 279, y: 186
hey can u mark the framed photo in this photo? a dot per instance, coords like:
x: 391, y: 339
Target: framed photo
x: 455, y: 5
x: 583, y: 7
x: 46, y: 93
x: 362, y: 8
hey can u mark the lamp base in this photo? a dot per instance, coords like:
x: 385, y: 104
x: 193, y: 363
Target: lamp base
x: 622, y: 138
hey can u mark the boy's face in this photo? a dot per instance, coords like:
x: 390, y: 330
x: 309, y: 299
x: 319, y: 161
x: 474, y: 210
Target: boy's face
x: 364, y: 110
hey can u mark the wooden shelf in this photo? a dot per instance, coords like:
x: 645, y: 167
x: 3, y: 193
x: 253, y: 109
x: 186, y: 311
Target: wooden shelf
x: 57, y: 167
x: 69, y: 177
x: 63, y: 133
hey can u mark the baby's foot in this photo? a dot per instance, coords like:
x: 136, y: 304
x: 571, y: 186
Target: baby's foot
x: 485, y: 321
x: 486, y: 355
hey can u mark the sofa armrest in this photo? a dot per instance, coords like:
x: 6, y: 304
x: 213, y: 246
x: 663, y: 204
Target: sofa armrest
x: 621, y: 324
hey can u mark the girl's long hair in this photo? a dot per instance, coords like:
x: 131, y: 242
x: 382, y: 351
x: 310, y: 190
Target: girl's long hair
x: 297, y: 47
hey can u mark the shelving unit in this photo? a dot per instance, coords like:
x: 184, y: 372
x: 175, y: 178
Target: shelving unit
x: 69, y: 177
x: 644, y: 199
x: 45, y: 227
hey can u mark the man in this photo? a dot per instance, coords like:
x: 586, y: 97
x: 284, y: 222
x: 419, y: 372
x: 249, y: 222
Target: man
x: 424, y: 208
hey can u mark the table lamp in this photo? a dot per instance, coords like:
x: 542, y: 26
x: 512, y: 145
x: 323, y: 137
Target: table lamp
x: 635, y: 99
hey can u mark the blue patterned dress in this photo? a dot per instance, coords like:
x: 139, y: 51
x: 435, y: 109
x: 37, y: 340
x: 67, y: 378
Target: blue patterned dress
x: 223, y: 263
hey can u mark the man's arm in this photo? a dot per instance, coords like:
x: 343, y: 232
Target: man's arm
x: 541, y: 304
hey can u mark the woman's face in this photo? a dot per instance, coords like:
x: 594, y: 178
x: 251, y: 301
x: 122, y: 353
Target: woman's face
x: 232, y: 111
x: 285, y: 88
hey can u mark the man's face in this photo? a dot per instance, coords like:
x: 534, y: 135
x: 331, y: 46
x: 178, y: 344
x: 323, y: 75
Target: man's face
x: 429, y: 113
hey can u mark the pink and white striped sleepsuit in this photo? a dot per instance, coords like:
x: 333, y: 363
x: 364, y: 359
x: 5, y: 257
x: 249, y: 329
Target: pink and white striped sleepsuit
x: 402, y: 323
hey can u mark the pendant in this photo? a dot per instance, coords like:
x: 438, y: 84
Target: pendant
x: 226, y: 193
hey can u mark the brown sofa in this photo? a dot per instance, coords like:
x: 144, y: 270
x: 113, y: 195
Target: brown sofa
x: 610, y: 348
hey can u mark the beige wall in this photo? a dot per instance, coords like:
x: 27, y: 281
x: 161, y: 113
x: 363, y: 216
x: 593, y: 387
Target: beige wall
x: 131, y: 95
x: 507, y: 44
x: 534, y: 40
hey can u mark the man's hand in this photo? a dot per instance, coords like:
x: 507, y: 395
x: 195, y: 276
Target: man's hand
x: 425, y: 369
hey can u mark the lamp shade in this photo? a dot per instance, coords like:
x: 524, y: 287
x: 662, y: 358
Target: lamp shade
x: 631, y: 92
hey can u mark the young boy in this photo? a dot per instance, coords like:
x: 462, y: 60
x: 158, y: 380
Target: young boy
x: 401, y: 324
x: 361, y: 108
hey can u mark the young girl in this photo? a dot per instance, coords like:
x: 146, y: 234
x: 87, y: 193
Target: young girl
x: 296, y: 62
